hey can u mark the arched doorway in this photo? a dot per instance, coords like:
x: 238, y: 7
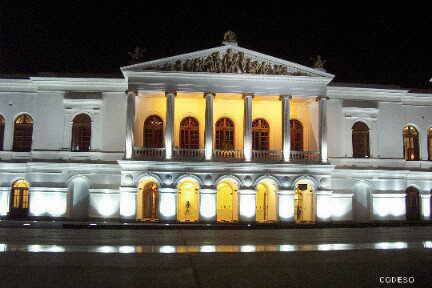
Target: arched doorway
x: 412, y: 202
x: 360, y: 140
x: 153, y: 132
x: 361, y: 202
x: 227, y: 201
x: 296, y: 131
x: 20, y: 199
x: 81, y: 133
x: 188, y: 200
x: 304, y: 202
x: 147, y: 201
x: 23, y: 133
x: 266, y: 210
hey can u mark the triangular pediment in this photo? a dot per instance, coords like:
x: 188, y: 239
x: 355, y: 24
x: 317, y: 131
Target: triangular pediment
x: 227, y: 59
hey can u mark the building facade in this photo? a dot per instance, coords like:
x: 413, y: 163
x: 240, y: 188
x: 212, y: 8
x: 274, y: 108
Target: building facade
x: 220, y: 135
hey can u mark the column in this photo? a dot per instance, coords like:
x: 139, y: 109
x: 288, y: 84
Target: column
x: 169, y: 128
x: 130, y: 122
x: 286, y: 127
x: 323, y: 128
x: 208, y: 136
x: 247, y: 127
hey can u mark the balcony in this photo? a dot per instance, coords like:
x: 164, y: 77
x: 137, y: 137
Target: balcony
x: 141, y: 153
x: 188, y: 154
x: 228, y: 155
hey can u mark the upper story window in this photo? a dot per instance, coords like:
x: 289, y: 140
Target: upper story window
x: 360, y: 140
x: 2, y: 125
x: 23, y: 132
x: 260, y: 135
x: 225, y: 134
x: 189, y: 133
x: 296, y: 129
x: 81, y: 133
x: 411, y: 143
x: 430, y: 144
x: 153, y: 132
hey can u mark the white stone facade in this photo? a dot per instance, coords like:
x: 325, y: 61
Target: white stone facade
x: 103, y: 182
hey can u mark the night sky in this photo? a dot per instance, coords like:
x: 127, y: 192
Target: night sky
x: 361, y: 45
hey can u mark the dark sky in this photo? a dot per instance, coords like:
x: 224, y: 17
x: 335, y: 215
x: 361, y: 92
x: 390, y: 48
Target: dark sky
x: 360, y: 44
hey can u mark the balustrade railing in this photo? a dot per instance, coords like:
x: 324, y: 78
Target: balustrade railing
x: 141, y: 153
x: 305, y: 156
x: 266, y: 155
x: 228, y: 155
x: 188, y: 154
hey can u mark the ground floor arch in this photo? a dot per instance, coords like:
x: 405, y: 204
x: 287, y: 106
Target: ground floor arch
x: 412, y: 202
x: 266, y: 201
x: 227, y: 201
x: 304, y: 202
x: 19, y: 199
x: 147, y: 201
x: 188, y: 191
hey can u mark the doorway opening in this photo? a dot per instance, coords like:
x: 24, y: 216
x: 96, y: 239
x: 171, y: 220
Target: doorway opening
x: 412, y: 204
x: 188, y: 201
x: 227, y: 201
x: 19, y: 201
x: 304, y: 202
x: 147, y: 201
x: 266, y: 210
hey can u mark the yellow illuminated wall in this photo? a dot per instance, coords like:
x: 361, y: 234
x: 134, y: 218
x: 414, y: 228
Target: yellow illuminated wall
x: 147, y: 104
x: 230, y: 106
x: 189, y: 105
x: 270, y: 108
x: 305, y: 109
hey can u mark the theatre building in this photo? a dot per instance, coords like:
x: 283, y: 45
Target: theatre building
x: 219, y: 135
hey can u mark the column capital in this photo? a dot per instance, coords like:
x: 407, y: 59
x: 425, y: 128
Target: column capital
x: 319, y: 98
x: 208, y: 93
x: 245, y: 95
x: 282, y: 97
x: 133, y: 92
x: 170, y: 92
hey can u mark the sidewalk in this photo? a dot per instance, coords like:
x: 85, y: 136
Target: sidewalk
x: 100, y: 224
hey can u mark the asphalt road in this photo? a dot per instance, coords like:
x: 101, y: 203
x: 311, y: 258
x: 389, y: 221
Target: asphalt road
x: 337, y: 257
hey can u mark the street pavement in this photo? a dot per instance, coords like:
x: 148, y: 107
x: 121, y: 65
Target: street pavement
x: 326, y: 257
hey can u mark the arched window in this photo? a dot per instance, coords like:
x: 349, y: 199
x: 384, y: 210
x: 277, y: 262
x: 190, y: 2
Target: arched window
x: 260, y: 135
x: 430, y: 144
x: 2, y: 125
x: 189, y: 133
x: 23, y: 132
x: 153, y: 132
x: 81, y: 133
x: 225, y: 134
x: 411, y: 143
x: 296, y: 129
x: 360, y: 140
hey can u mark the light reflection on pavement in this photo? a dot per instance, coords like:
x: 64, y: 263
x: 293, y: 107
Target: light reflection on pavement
x: 208, y: 248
